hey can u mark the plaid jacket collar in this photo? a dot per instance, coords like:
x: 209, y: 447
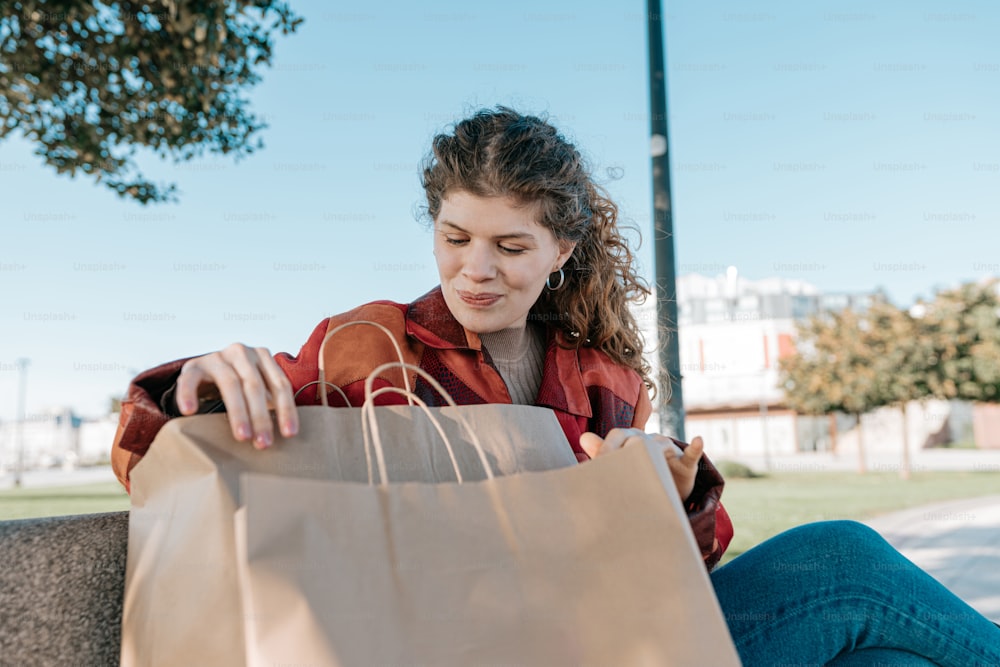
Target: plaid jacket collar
x: 429, y: 320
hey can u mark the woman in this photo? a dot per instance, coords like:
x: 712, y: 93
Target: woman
x: 533, y: 308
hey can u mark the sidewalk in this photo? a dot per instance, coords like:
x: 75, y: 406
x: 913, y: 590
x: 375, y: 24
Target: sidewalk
x: 957, y: 542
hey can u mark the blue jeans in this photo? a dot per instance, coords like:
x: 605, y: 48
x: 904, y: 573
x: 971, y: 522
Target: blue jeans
x: 836, y: 593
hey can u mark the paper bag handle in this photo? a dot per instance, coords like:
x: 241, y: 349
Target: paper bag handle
x: 323, y: 397
x: 369, y: 421
x: 322, y: 363
x: 434, y: 420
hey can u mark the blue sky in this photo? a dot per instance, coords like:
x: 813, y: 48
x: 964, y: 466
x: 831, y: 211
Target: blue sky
x: 854, y: 145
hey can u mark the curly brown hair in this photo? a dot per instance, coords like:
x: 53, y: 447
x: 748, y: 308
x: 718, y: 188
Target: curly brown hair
x: 502, y: 153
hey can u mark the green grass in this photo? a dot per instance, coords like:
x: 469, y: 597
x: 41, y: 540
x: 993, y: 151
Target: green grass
x: 763, y: 507
x: 55, y: 501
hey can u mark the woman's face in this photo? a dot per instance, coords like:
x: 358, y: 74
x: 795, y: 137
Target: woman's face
x: 493, y: 259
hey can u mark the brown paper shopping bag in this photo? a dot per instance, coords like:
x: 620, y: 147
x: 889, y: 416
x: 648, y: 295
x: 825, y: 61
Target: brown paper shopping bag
x: 587, y: 565
x: 182, y: 603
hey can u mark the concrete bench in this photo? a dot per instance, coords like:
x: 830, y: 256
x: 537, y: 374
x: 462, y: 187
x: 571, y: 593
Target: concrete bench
x: 62, y: 582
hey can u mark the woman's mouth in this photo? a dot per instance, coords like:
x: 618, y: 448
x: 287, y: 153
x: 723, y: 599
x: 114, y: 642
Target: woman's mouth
x: 479, y: 300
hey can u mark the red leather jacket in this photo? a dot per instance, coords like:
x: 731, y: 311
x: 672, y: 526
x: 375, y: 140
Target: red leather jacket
x: 584, y: 387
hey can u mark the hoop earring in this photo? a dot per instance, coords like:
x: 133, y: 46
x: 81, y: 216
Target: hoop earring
x: 562, y: 279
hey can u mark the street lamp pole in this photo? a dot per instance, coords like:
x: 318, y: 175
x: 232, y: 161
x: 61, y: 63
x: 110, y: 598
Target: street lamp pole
x: 22, y: 390
x: 672, y: 410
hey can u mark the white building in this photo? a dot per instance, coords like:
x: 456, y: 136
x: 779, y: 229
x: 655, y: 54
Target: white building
x: 732, y: 332
x: 56, y: 438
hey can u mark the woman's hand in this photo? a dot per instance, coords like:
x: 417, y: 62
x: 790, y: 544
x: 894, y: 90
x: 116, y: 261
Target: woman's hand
x: 249, y: 382
x: 683, y: 464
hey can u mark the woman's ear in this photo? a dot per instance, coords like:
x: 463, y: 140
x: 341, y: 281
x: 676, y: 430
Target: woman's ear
x: 566, y: 249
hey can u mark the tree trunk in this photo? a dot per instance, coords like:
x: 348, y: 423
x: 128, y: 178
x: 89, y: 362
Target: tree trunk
x: 862, y: 465
x: 904, y: 463
x: 833, y: 432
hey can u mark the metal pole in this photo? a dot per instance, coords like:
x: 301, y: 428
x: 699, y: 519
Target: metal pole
x: 672, y: 410
x: 763, y: 421
x: 21, y: 393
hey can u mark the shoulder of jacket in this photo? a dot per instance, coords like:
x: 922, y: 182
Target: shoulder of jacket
x: 351, y: 352
x: 387, y: 313
x: 356, y: 324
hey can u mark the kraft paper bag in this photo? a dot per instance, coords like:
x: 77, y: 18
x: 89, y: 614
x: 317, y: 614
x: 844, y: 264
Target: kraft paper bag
x: 182, y: 603
x: 592, y: 564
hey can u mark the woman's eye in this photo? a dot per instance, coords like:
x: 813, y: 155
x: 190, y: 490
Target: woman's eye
x: 512, y: 251
x: 454, y: 241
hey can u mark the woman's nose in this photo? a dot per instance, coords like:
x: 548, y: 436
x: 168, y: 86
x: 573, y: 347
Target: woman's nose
x: 479, y: 263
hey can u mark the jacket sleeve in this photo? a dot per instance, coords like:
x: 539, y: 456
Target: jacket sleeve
x: 710, y: 523
x: 141, y: 417
x: 149, y: 403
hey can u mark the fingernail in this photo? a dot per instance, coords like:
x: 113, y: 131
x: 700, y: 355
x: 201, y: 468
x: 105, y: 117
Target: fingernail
x: 289, y: 429
x: 187, y: 406
x: 263, y: 440
x: 243, y: 432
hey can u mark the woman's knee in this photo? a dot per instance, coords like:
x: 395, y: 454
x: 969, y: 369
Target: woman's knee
x: 836, y: 548
x: 841, y: 536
